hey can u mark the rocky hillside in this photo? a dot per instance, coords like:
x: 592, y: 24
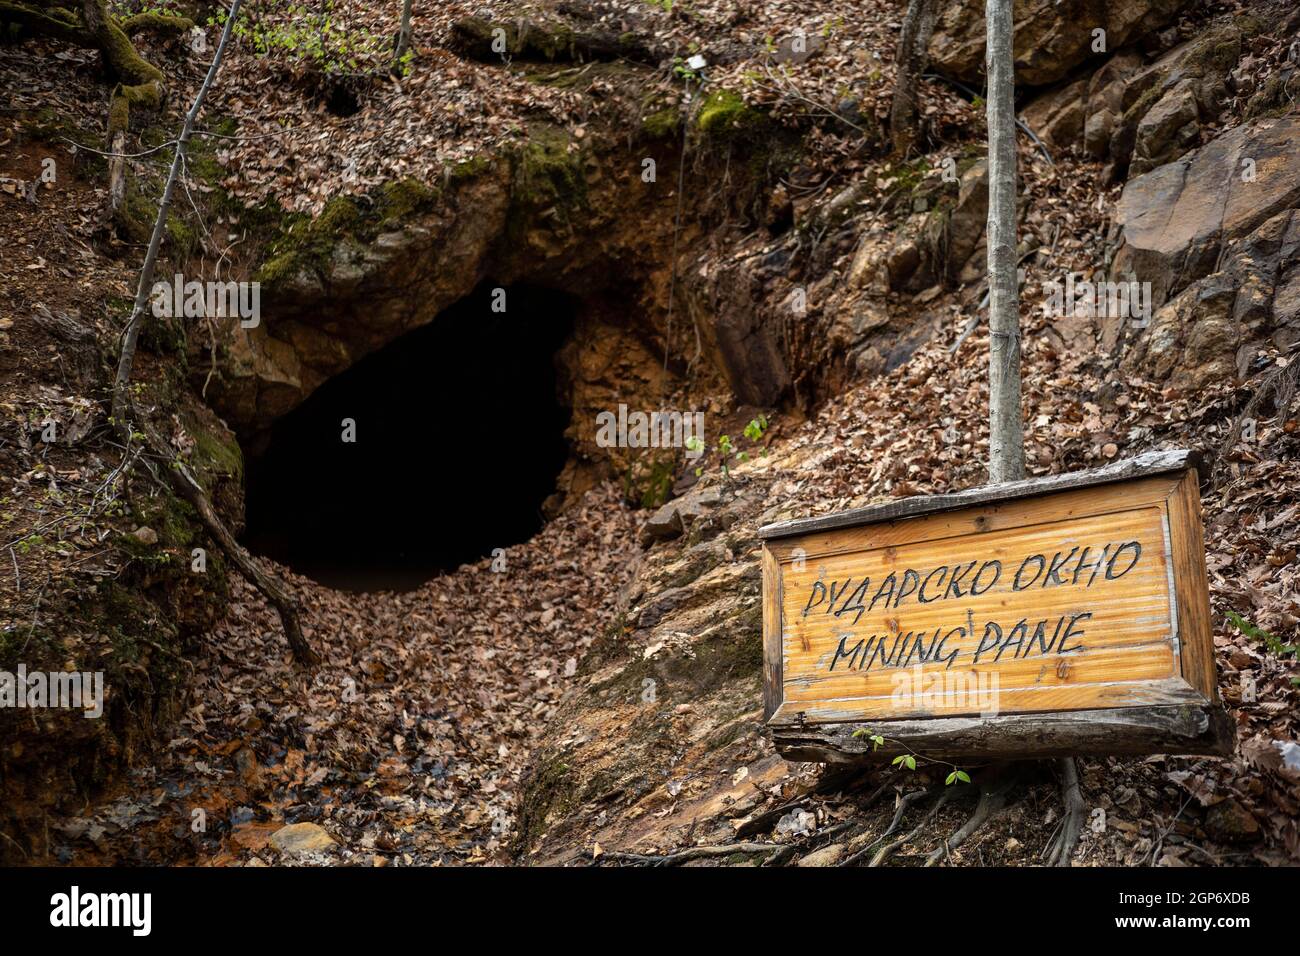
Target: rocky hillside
x: 735, y: 238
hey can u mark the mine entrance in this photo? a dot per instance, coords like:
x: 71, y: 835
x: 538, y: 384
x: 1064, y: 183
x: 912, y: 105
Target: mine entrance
x: 457, y: 435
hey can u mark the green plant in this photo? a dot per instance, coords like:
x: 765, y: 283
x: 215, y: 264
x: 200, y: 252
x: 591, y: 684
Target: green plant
x: 907, y: 761
x: 876, y: 739
x: 726, y: 449
x: 1272, y: 642
x: 314, y: 36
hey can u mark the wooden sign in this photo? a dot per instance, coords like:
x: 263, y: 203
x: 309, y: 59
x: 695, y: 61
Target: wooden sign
x: 1052, y: 616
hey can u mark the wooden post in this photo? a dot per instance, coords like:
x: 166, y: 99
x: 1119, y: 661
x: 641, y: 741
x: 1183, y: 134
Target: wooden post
x: 1006, y: 428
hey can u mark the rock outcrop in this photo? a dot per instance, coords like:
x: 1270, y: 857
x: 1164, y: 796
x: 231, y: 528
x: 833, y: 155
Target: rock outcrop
x: 1177, y: 219
x: 1052, y: 37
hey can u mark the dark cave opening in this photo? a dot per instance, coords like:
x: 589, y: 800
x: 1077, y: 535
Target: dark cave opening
x: 458, y: 439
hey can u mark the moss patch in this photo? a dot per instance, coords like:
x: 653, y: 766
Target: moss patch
x: 725, y: 115
x: 547, y: 173
x: 662, y: 124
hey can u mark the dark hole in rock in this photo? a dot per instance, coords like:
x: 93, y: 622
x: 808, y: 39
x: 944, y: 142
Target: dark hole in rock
x: 459, y: 438
x: 341, y: 101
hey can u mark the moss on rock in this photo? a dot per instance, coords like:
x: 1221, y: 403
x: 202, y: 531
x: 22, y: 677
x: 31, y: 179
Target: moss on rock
x: 725, y: 115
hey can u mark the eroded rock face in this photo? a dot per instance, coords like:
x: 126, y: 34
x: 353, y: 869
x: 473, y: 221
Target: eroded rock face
x: 1146, y: 114
x: 1052, y: 37
x: 676, y: 680
x: 1214, y: 328
x: 1057, y: 117
x: 1176, y: 219
x: 568, y: 216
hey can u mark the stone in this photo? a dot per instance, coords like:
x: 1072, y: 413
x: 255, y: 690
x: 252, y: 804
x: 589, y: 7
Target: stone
x: 1167, y: 131
x: 1057, y: 117
x: 965, y: 224
x: 676, y: 516
x: 1212, y: 330
x: 900, y: 262
x: 1052, y: 37
x: 826, y: 856
x: 145, y: 535
x: 1105, y: 101
x: 1229, y: 822
x: 298, y: 838
x: 1199, y: 67
x: 1176, y: 219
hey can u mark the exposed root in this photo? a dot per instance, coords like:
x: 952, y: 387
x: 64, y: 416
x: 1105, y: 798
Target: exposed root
x: 903, y: 804
x: 993, y: 797
x: 694, y: 853
x: 137, y: 82
x: 1067, y: 836
x: 885, y: 852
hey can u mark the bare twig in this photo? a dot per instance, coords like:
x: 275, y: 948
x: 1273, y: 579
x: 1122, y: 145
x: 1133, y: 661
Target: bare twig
x: 176, y: 473
x: 694, y: 853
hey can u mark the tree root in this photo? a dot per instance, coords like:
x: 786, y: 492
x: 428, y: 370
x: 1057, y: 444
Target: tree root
x: 1061, y: 848
x: 903, y: 804
x: 693, y: 853
x: 137, y: 82
x: 992, y: 800
x: 885, y: 852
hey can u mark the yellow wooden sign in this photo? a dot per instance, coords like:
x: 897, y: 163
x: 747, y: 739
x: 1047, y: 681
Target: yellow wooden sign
x: 1076, y: 594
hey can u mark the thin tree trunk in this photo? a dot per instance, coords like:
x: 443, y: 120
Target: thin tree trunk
x: 1006, y: 425
x: 403, y: 37
x: 1006, y: 429
x: 913, y: 44
x: 174, y: 470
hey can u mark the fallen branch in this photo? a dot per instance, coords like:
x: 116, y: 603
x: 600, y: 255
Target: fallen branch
x: 694, y: 853
x: 174, y: 470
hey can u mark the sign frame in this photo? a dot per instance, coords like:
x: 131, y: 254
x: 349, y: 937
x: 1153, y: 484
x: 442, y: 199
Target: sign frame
x: 1179, y: 714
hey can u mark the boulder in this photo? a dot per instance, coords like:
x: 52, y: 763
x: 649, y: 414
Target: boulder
x: 1213, y: 329
x: 299, y: 838
x: 1057, y: 117
x: 1168, y: 130
x: 1105, y: 105
x: 676, y: 516
x: 1052, y: 37
x: 1176, y: 219
x: 1184, y: 88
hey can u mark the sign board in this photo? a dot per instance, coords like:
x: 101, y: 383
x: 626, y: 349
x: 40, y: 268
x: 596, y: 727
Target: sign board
x: 1059, y: 615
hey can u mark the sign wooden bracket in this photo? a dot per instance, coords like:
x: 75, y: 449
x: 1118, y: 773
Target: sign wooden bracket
x: 1054, y: 616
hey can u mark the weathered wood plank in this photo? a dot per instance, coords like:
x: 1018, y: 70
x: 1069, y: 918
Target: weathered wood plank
x: 1148, y: 463
x: 772, y: 630
x: 1169, y: 729
x: 1192, y: 586
x: 981, y: 519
